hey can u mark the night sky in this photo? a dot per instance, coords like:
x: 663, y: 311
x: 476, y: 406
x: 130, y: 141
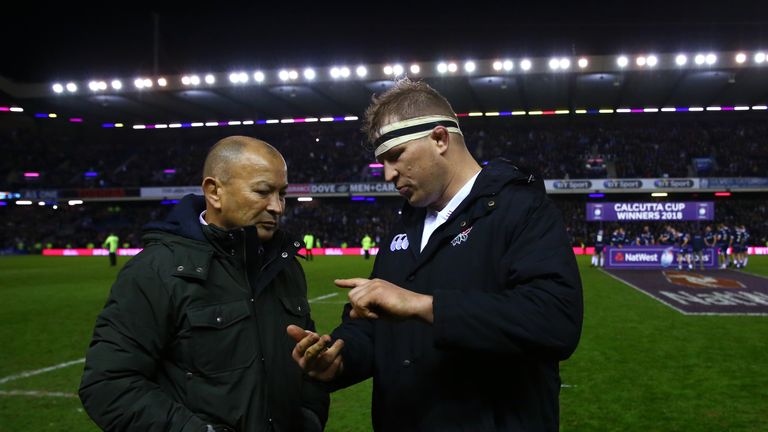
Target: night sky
x: 49, y: 45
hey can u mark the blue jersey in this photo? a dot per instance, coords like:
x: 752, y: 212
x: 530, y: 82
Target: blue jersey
x: 681, y: 239
x: 645, y: 239
x: 741, y: 237
x: 724, y: 235
x: 666, y: 238
x: 709, y: 238
x: 616, y: 239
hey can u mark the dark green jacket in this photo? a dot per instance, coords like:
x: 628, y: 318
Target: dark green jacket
x: 193, y: 333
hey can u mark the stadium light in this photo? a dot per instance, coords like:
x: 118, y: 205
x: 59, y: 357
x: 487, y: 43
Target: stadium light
x: 344, y: 71
x: 640, y: 61
x: 526, y: 65
x: 292, y: 74
x: 583, y: 62
x: 185, y: 79
x: 442, y: 67
x: 147, y: 82
x: 741, y: 58
x: 565, y: 63
x: 71, y: 87
x: 162, y: 82
x: 309, y: 74
x: 93, y: 85
x: 23, y: 202
x: 452, y: 67
x: 711, y: 59
x: 335, y: 72
x: 361, y: 71
x: 508, y: 65
x: 387, y: 70
x: 398, y: 70
x: 74, y: 202
x: 258, y: 76
x: 699, y: 59
x: 470, y: 66
x: 234, y: 77
x: 210, y: 79
x: 117, y: 84
x: 760, y: 58
x: 305, y: 199
x: 58, y: 88
x: 138, y: 83
x: 415, y: 69
x: 554, y: 64
x: 497, y: 65
x: 622, y: 61
x: 651, y: 60
x: 681, y: 59
x: 283, y: 75
x: 194, y: 80
x: 659, y: 194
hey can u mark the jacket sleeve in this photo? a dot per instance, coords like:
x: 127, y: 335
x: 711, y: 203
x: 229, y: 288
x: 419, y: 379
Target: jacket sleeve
x: 357, y: 353
x: 539, y: 311
x: 117, y: 388
x: 314, y: 395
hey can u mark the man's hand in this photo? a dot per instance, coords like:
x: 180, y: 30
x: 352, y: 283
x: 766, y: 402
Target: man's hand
x: 376, y: 298
x: 313, y: 354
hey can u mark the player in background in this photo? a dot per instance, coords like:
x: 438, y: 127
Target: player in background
x: 683, y: 248
x: 645, y: 238
x: 724, y: 241
x: 697, y: 245
x: 597, y: 257
x: 309, y: 243
x: 740, y: 246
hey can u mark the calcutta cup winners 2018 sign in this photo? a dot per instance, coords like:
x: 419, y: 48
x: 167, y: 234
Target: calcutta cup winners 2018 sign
x: 651, y: 211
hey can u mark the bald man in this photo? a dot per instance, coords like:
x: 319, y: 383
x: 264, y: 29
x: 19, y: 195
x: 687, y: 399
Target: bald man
x: 192, y: 337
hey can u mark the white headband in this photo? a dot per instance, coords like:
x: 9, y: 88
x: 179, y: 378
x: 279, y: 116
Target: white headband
x: 400, y: 132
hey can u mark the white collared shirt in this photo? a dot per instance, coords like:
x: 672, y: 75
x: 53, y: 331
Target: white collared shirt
x: 434, y: 219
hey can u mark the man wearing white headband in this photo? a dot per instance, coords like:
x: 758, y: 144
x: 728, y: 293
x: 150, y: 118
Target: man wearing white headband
x: 474, y: 299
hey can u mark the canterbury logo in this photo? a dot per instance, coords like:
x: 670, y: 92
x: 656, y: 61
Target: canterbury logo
x: 399, y: 242
x: 462, y: 237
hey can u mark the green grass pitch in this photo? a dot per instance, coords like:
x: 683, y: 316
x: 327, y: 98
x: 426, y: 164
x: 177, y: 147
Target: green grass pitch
x: 640, y: 366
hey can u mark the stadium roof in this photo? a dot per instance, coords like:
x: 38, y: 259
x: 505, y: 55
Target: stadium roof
x: 176, y: 45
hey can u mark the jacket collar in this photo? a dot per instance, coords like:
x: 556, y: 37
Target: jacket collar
x: 492, y: 179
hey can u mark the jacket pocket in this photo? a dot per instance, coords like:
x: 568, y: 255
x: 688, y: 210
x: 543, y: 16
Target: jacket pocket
x: 222, y: 337
x: 297, y: 309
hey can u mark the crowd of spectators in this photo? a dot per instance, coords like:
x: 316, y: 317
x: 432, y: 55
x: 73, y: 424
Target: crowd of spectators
x: 335, y: 222
x: 78, y: 158
x: 70, y: 156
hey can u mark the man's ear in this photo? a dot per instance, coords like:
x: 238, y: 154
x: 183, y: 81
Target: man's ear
x: 441, y: 137
x: 212, y: 191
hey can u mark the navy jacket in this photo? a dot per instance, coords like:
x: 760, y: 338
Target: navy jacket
x: 507, y: 308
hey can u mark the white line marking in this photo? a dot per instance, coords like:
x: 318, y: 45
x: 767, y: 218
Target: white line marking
x: 322, y: 297
x: 26, y: 374
x: 36, y: 393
